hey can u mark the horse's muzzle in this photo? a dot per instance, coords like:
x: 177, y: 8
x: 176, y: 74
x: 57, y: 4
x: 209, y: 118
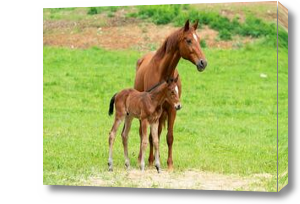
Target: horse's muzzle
x: 201, y: 64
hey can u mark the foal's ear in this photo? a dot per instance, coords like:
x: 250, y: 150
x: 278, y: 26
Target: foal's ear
x: 187, y: 25
x: 176, y: 79
x: 196, y: 24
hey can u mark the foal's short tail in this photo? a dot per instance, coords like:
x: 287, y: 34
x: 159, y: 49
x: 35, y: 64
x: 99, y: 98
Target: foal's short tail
x: 111, y: 105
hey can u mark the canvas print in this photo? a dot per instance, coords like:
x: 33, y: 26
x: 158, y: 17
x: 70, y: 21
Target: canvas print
x: 180, y: 96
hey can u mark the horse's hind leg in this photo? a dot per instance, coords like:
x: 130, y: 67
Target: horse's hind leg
x: 111, y: 141
x: 151, y: 157
x: 154, y: 133
x: 124, y: 135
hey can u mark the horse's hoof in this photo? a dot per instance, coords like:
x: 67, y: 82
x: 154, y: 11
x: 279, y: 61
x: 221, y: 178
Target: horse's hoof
x: 110, y: 169
x: 170, y: 168
x: 150, y: 161
x: 127, y: 165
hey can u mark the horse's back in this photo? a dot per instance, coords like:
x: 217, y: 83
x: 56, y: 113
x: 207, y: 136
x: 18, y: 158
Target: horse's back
x: 142, y: 67
x: 144, y: 60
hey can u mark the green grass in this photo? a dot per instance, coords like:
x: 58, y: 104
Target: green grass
x: 79, y: 13
x: 282, y: 115
x: 98, y: 10
x: 72, y: 13
x: 227, y: 124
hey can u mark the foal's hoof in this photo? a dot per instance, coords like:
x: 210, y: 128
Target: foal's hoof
x: 127, y: 166
x: 110, y: 167
x: 157, y: 168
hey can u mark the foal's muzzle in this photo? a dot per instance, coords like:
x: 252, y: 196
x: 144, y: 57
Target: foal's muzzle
x: 178, y: 106
x: 201, y: 64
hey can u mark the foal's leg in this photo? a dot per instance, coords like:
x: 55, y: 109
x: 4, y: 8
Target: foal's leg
x: 154, y: 133
x: 144, y: 142
x: 171, y: 120
x: 111, y: 141
x: 124, y: 135
x: 160, y: 127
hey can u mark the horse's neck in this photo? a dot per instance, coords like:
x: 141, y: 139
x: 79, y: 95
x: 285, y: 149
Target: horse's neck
x: 168, y: 64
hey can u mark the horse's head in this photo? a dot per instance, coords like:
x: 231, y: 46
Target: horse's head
x: 173, y: 93
x: 189, y: 46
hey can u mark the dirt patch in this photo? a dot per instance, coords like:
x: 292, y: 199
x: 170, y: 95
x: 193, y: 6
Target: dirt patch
x: 120, y: 32
x: 138, y: 36
x: 191, y: 179
x: 115, y: 37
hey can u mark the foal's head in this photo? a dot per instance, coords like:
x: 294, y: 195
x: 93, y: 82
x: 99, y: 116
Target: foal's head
x: 172, y: 95
x: 189, y: 46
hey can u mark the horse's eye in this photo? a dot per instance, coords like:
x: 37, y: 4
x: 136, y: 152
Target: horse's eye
x: 189, y: 41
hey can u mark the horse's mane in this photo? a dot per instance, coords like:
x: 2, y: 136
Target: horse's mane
x: 170, y: 43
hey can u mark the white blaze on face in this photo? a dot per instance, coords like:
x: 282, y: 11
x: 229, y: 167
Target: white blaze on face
x: 195, y: 37
x: 176, y: 89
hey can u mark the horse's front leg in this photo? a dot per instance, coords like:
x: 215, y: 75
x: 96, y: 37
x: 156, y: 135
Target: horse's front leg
x: 171, y: 120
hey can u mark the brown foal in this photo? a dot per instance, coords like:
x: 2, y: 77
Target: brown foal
x: 147, y: 107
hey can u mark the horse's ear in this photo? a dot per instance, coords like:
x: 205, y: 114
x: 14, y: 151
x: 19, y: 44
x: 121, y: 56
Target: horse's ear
x: 196, y: 24
x: 187, y: 25
x: 176, y: 79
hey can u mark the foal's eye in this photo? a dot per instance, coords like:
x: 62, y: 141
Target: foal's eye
x: 189, y: 41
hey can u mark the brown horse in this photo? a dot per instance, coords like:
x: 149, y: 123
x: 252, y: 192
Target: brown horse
x: 147, y: 107
x: 161, y: 65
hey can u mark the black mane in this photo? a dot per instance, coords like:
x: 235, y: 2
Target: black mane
x: 155, y: 86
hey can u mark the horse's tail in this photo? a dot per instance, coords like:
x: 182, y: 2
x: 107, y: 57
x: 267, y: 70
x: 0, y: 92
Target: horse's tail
x: 111, y: 105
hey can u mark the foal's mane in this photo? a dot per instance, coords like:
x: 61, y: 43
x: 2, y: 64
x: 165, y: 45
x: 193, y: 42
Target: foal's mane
x: 170, y: 43
x: 155, y: 86
x: 159, y: 83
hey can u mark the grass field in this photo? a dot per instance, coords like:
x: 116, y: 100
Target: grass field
x: 225, y: 137
x: 227, y: 124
